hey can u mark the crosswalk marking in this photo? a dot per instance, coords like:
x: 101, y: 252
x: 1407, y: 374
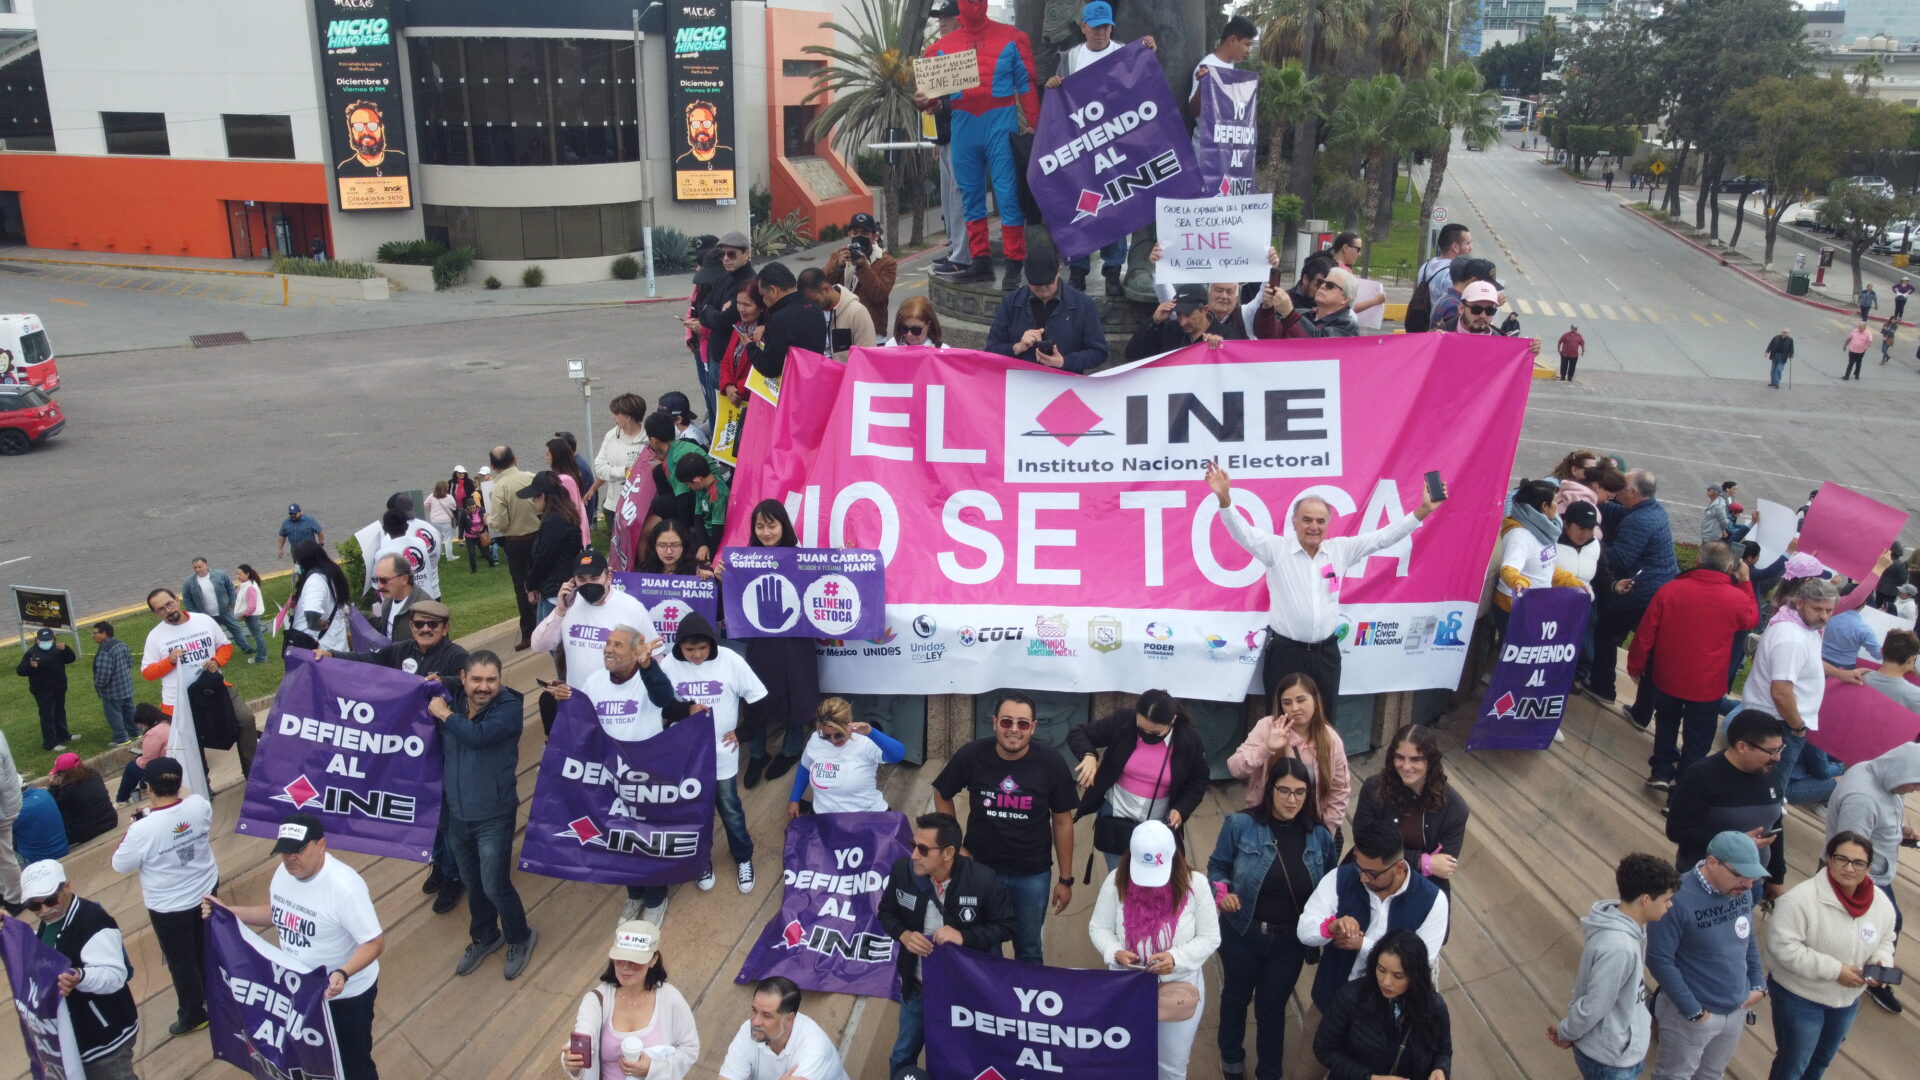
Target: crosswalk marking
x: 1719, y: 318
x: 1697, y: 318
x: 1632, y: 315
x: 1608, y: 312
x: 1525, y: 308
x: 1587, y: 310
x: 1652, y: 315
x: 1566, y: 307
x: 1750, y: 322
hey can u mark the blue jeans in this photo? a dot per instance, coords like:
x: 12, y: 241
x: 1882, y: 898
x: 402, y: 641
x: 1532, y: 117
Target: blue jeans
x: 1779, y: 369
x: 1261, y: 971
x: 1593, y: 1070
x: 130, y: 781
x: 913, y: 1032
x: 1030, y: 893
x: 484, y: 852
x: 259, y: 640
x: 708, y: 374
x: 1806, y: 1035
x: 119, y: 718
x: 726, y: 801
x: 1112, y: 257
x: 1796, y: 776
x: 1683, y: 733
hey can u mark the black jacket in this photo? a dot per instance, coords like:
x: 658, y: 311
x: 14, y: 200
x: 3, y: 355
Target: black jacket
x: 1154, y: 338
x: 446, y: 659
x: 555, y: 548
x: 1356, y: 1041
x: 792, y: 323
x: 1187, y: 771
x: 102, y: 1023
x: 715, y: 312
x: 977, y: 905
x: 694, y: 627
x: 1781, y: 345
x: 1445, y: 829
x: 46, y: 669
x: 1071, y: 321
x: 85, y: 809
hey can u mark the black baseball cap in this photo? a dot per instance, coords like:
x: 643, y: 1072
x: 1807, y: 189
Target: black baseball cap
x: 675, y: 403
x: 863, y: 220
x: 297, y: 832
x: 949, y: 9
x: 543, y: 483
x: 1581, y: 514
x: 163, y: 766
x: 1188, y: 297
x: 1042, y: 267
x: 590, y: 564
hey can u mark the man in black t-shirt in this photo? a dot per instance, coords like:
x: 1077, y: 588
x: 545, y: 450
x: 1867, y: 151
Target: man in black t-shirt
x: 1023, y: 800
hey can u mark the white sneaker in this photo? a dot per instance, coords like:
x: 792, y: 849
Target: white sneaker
x: 629, y: 911
x: 656, y: 915
x: 746, y: 877
x: 706, y: 880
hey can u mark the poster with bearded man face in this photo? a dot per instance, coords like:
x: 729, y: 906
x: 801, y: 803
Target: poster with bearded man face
x: 700, y: 89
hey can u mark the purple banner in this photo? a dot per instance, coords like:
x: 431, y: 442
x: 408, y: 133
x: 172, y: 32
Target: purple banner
x: 1527, y: 695
x: 827, y: 935
x: 599, y: 816
x: 805, y: 592
x: 266, y: 1013
x: 1226, y: 134
x: 362, y: 636
x: 992, y: 1017
x: 33, y: 972
x: 669, y: 597
x: 354, y: 745
x: 1110, y: 140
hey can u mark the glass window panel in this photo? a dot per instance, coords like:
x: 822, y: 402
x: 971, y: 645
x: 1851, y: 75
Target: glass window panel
x: 136, y: 133
x: 498, y: 233
x: 259, y: 136
x: 613, y: 228
x: 579, y: 232
x: 540, y: 232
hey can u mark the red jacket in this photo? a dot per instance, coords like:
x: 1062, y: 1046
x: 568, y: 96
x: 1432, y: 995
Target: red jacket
x: 734, y: 368
x: 1688, y: 631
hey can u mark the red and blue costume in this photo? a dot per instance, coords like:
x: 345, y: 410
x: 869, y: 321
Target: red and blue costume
x: 983, y: 120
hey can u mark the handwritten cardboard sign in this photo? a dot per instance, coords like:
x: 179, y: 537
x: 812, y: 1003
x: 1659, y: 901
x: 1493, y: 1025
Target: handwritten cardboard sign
x: 950, y: 73
x: 1217, y: 239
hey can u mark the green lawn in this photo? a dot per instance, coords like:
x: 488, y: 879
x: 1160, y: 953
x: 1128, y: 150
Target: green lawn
x: 477, y: 601
x: 1393, y: 258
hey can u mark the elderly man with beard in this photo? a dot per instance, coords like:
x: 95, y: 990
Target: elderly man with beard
x: 1331, y: 316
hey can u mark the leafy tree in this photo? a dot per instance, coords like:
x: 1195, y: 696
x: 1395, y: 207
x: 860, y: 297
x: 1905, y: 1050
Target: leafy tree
x: 1519, y: 63
x: 1860, y: 214
x: 1609, y: 76
x: 1867, y: 69
x: 1451, y: 99
x: 1366, y: 121
x: 870, y: 79
x: 1802, y: 131
x: 1289, y: 99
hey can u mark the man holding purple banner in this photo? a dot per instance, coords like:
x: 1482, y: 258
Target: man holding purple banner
x: 706, y: 673
x: 585, y: 611
x: 938, y: 897
x: 106, y: 1021
x: 1096, y: 22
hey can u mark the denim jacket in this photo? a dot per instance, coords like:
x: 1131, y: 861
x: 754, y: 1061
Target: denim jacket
x: 1245, y: 852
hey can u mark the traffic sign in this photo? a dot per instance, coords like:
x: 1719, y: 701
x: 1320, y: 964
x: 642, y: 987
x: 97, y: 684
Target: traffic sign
x: 1657, y: 168
x: 1439, y: 215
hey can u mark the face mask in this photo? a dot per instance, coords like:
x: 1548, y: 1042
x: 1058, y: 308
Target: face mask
x: 45, y: 644
x: 1152, y: 739
x: 592, y: 592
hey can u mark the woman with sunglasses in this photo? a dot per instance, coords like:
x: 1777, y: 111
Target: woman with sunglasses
x: 1346, y: 249
x: 1268, y: 858
x: 1411, y: 792
x: 1390, y: 1021
x: 916, y: 324
x: 1297, y: 728
x: 1140, y: 764
x: 1823, y: 932
x: 842, y: 763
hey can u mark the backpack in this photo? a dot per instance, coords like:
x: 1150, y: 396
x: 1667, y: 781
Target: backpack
x: 1420, y: 306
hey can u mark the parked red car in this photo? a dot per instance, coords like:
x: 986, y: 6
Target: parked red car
x: 28, y: 416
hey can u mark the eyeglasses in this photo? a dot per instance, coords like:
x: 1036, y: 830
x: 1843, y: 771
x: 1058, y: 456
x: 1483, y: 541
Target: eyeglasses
x: 1326, y: 285
x: 836, y: 736
x: 375, y: 126
x: 428, y: 624
x: 916, y: 331
x: 1483, y: 309
x: 924, y: 849
x: 1290, y: 792
x: 1376, y: 875
x: 1014, y: 723
x: 1850, y: 864
x: 731, y: 253
x: 43, y: 902
x: 378, y: 580
x: 670, y: 545
x: 1771, y: 752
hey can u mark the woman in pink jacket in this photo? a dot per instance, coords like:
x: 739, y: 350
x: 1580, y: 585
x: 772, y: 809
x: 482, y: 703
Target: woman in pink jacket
x: 1297, y: 728
x: 1857, y: 344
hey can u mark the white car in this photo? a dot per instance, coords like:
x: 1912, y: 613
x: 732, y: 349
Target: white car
x: 1806, y: 215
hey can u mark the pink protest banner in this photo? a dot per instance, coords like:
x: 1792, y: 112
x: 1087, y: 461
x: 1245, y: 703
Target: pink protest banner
x: 1054, y: 531
x: 1847, y: 530
x: 780, y: 440
x: 1859, y: 723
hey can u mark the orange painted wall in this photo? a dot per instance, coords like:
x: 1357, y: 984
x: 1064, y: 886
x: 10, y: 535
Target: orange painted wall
x: 147, y: 205
x: 788, y: 32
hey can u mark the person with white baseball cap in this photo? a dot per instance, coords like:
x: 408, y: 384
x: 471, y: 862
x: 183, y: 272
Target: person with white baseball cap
x: 324, y: 915
x: 1169, y: 909
x: 633, y: 1022
x: 106, y: 1021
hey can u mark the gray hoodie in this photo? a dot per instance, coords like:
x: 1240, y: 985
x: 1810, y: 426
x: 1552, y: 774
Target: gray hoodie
x: 1863, y: 802
x: 1608, y: 1020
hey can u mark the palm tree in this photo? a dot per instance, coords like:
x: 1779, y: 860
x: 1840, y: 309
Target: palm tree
x: 1867, y: 69
x: 1455, y: 100
x: 1291, y: 99
x: 871, y: 84
x: 1365, y: 121
x: 1339, y: 30
x: 1411, y: 34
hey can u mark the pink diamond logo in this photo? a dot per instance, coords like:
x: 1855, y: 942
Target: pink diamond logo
x: 582, y: 829
x: 1226, y: 185
x: 990, y: 1073
x: 301, y: 792
x: 794, y: 934
x: 1504, y: 705
x: 1068, y: 419
x: 1089, y: 204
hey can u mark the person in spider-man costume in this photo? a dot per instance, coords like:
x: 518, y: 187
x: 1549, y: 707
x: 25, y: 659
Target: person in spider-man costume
x: 983, y: 119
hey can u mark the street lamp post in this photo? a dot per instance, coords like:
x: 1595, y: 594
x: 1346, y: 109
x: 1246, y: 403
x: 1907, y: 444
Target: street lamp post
x: 577, y: 371
x: 640, y: 128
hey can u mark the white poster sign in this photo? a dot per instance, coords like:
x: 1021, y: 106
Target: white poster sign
x: 1217, y: 239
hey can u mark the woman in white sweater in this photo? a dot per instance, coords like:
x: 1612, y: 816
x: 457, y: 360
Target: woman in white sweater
x: 634, y: 1023
x: 1156, y: 914
x: 1822, y: 933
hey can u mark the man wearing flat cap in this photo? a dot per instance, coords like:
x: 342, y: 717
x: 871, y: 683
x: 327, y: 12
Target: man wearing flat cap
x: 1049, y: 321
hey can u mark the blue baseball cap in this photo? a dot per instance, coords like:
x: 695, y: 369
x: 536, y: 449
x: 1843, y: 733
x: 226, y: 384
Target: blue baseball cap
x: 1098, y: 13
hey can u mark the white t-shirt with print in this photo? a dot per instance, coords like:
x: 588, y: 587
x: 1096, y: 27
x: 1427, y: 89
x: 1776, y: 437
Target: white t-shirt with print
x: 1082, y: 56
x: 624, y: 709
x: 585, y: 627
x: 172, y: 848
x: 1787, y: 653
x: 418, y: 555
x: 809, y: 1053
x: 844, y: 777
x: 720, y: 684
x: 317, y: 596
x: 322, y: 920
x: 198, y: 635
x: 1523, y: 551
